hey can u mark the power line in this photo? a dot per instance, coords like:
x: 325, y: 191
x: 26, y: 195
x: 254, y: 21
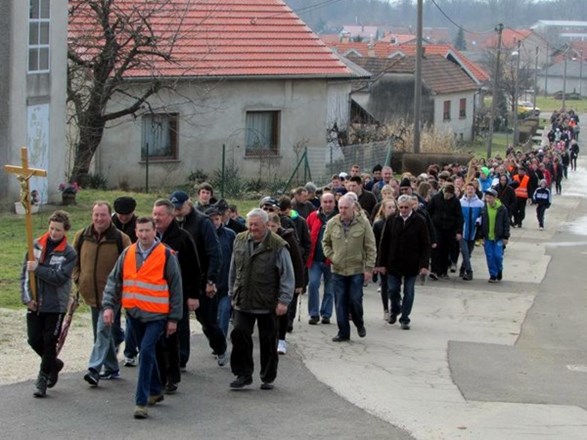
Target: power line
x: 458, y: 25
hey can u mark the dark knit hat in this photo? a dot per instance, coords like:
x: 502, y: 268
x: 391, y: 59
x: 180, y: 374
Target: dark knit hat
x: 125, y: 205
x: 405, y: 183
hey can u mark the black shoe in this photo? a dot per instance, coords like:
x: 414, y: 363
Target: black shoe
x: 362, y: 331
x: 339, y: 338
x: 241, y: 382
x: 468, y: 276
x: 171, y: 388
x: 289, y: 326
x: 325, y: 320
x: 405, y: 326
x: 314, y: 320
x: 499, y: 275
x: 266, y: 386
x: 54, y: 376
x: 433, y: 276
x: 392, y: 318
x: 492, y: 280
x: 92, y: 377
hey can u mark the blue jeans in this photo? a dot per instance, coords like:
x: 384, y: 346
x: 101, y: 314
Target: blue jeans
x: 467, y: 247
x: 224, y: 312
x: 104, y: 349
x: 147, y: 334
x: 317, y: 270
x: 394, y: 283
x: 348, y: 297
x: 494, y: 256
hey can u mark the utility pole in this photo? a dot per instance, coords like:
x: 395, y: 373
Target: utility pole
x: 546, y: 70
x: 581, y: 74
x: 516, y: 95
x: 418, y: 79
x: 565, y: 80
x: 499, y: 30
x: 535, y: 81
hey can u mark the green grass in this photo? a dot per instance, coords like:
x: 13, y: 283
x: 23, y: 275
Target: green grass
x: 499, y: 145
x: 13, y: 237
x: 549, y: 104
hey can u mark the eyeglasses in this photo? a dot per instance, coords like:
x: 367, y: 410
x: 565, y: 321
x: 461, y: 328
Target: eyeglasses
x: 269, y: 208
x: 404, y: 207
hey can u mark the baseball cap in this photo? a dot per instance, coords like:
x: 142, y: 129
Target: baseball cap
x: 178, y: 198
x: 268, y: 201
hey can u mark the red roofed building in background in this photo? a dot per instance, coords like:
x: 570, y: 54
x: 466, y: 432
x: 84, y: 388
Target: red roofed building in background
x: 248, y: 74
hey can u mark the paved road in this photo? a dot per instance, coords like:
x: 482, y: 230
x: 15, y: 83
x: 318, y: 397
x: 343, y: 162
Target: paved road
x: 482, y: 361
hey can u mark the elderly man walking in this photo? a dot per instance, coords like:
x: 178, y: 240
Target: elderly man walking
x: 146, y: 280
x: 349, y: 244
x: 261, y: 283
x: 404, y: 252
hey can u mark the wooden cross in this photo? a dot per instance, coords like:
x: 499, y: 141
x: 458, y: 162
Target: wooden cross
x: 23, y: 174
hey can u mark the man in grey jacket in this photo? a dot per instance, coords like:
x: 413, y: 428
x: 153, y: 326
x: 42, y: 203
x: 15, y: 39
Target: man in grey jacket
x: 146, y: 281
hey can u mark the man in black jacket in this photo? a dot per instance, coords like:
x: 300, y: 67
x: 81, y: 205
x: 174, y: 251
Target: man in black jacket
x: 210, y: 254
x: 180, y: 241
x: 447, y: 218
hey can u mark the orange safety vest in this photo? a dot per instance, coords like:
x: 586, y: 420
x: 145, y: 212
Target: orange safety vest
x: 522, y: 189
x: 146, y: 288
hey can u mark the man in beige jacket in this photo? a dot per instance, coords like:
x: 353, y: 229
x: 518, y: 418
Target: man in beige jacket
x: 349, y: 244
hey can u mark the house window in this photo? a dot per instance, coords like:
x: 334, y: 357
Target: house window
x: 262, y: 132
x: 160, y: 136
x: 463, y: 108
x: 446, y: 112
x: 39, y: 20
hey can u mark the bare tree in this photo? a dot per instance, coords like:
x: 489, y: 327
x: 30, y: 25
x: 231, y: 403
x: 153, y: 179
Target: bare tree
x: 108, y: 39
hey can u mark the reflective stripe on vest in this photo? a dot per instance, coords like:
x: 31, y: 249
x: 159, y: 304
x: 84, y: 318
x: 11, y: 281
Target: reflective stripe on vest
x: 522, y: 189
x: 145, y: 289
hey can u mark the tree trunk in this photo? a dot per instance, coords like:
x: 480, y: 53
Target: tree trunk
x: 90, y: 136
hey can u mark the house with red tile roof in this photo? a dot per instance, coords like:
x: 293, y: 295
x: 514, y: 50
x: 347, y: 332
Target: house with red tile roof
x: 247, y: 74
x: 448, y: 93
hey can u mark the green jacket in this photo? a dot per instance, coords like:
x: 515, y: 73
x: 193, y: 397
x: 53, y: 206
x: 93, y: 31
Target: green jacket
x: 352, y: 250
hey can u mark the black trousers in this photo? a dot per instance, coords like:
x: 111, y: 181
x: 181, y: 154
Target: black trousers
x: 241, y: 358
x: 286, y: 321
x: 167, y: 353
x: 43, y: 330
x: 520, y: 213
x: 440, y: 255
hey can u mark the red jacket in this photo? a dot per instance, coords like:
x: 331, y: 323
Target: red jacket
x: 314, y: 225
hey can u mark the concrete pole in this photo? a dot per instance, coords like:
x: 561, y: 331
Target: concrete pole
x: 499, y: 30
x: 535, y: 80
x: 565, y: 81
x: 516, y: 95
x: 418, y: 79
x: 581, y: 74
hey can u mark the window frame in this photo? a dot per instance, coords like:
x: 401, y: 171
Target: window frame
x: 462, y: 108
x: 37, y: 47
x: 446, y: 110
x: 173, y: 119
x: 274, y: 146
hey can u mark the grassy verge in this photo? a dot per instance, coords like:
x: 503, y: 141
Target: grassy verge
x: 13, y: 237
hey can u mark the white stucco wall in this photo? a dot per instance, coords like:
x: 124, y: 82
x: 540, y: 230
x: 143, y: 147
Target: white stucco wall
x: 217, y: 117
x: 457, y: 124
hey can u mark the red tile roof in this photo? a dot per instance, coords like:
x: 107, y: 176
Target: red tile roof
x: 224, y: 38
x: 383, y: 49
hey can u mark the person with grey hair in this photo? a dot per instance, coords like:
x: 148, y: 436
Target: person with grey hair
x: 261, y: 284
x: 312, y: 194
x: 404, y: 253
x: 349, y: 244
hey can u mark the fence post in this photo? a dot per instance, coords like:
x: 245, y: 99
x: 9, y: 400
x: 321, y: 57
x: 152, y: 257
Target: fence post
x: 223, y: 167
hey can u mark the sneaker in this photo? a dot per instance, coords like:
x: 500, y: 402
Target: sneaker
x: 392, y: 318
x: 339, y: 338
x: 541, y: 228
x: 433, y: 276
x: 468, y: 276
x: 155, y: 399
x: 325, y: 320
x: 314, y: 320
x: 385, y: 315
x: 241, y: 382
x: 266, y: 386
x: 492, y: 280
x: 223, y: 359
x: 131, y: 361
x: 54, y: 376
x: 453, y: 268
x: 92, y: 377
x: 282, y: 347
x: 110, y: 375
x: 405, y: 326
x: 141, y: 412
x: 362, y: 331
x: 170, y: 388
x: 41, y: 385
